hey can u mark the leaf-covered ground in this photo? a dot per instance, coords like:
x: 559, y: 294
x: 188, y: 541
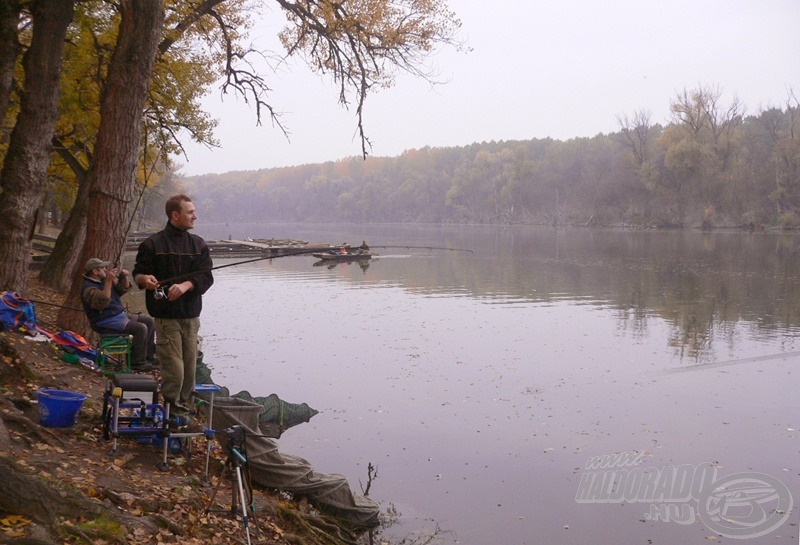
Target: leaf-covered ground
x: 142, y: 503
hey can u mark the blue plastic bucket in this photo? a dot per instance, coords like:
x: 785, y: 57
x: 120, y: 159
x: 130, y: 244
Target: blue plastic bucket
x: 59, y: 408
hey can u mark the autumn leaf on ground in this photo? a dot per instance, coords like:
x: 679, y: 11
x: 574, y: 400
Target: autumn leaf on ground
x: 11, y: 521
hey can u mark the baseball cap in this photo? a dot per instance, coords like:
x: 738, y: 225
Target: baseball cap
x: 96, y: 263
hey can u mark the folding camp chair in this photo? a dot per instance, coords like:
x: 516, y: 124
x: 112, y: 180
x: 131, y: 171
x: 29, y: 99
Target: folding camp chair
x: 114, y: 353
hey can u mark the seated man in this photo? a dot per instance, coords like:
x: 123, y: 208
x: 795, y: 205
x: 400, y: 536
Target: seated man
x: 100, y: 293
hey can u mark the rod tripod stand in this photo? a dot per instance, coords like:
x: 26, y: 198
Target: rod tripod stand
x: 241, y: 487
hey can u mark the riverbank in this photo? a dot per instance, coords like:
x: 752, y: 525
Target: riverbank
x: 61, y: 485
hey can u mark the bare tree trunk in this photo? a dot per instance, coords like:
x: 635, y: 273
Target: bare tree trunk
x: 111, y: 176
x: 62, y: 265
x: 24, y: 172
x: 9, y: 50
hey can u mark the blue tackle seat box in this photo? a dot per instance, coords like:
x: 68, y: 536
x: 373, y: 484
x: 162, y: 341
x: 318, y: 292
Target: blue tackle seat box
x: 136, y: 387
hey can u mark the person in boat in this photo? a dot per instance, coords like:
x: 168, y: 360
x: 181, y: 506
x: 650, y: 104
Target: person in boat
x: 364, y: 247
x: 100, y: 294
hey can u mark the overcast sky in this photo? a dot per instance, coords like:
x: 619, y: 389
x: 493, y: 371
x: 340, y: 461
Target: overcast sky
x: 537, y: 69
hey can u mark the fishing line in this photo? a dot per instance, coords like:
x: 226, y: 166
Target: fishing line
x: 423, y: 248
x: 133, y: 214
x: 726, y: 363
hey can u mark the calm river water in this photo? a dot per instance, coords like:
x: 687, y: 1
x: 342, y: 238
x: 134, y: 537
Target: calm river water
x: 485, y: 387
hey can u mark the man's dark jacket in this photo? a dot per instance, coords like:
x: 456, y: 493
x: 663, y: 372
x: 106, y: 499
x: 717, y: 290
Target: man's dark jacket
x: 175, y: 253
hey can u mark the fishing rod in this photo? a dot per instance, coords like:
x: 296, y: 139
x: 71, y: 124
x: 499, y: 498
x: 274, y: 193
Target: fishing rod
x: 300, y: 252
x: 424, y: 248
x: 53, y: 304
x: 147, y: 172
x: 262, y: 258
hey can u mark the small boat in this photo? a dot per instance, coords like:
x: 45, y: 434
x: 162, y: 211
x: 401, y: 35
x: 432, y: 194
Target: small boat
x: 339, y: 255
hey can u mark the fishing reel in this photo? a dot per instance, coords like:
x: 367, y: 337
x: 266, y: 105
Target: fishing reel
x: 159, y: 293
x: 236, y: 437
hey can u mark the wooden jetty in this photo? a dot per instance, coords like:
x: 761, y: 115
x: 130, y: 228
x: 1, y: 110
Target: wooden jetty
x: 250, y: 248
x: 263, y: 248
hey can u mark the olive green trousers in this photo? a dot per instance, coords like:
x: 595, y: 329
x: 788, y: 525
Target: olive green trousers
x: 176, y: 345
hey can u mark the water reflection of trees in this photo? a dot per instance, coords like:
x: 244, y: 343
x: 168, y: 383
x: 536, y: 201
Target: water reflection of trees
x: 707, y: 287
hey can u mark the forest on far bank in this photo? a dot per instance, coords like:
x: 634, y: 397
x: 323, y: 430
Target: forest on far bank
x: 712, y: 165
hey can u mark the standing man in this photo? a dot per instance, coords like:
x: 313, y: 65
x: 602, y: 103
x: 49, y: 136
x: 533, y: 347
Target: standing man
x: 100, y: 294
x: 178, y: 263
